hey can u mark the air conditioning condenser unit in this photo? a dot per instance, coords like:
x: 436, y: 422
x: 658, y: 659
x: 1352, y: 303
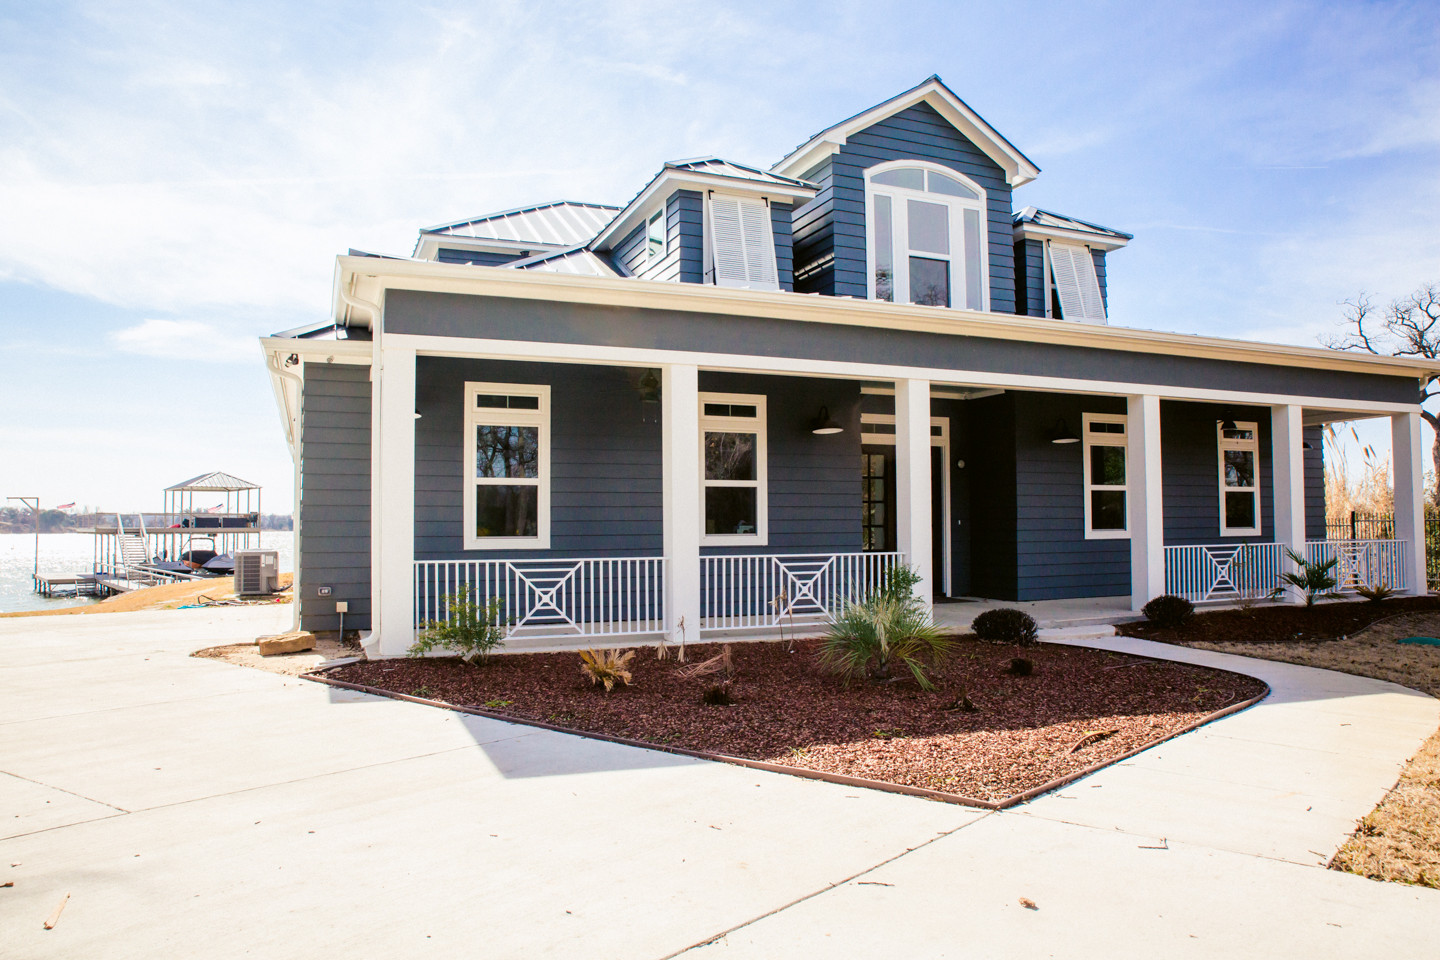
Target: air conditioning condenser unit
x: 257, y: 572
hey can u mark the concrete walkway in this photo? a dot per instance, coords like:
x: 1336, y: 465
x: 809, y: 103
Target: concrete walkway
x: 193, y: 808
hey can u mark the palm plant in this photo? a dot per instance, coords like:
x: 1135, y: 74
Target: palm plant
x: 869, y: 639
x: 1315, y: 579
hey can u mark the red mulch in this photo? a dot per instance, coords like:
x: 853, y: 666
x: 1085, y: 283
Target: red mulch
x: 1275, y: 622
x: 788, y: 711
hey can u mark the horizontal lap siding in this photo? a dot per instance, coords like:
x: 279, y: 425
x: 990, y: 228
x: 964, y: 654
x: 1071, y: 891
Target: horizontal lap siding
x: 1315, y: 484
x: 1191, y: 472
x: 605, y: 463
x: 780, y: 225
x: 1030, y: 278
x: 812, y: 238
x: 1054, y: 560
x: 918, y: 133
x: 1099, y: 257
x: 334, y: 512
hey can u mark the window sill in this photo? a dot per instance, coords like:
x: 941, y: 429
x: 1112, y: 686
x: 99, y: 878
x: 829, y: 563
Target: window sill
x: 508, y: 543
x: 1107, y: 534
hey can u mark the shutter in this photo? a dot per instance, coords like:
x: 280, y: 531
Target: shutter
x: 1072, y: 270
x: 742, y: 244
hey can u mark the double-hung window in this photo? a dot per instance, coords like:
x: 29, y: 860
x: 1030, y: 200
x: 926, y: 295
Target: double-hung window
x: 1074, y: 283
x: 507, y: 466
x: 927, y: 236
x: 740, y: 243
x: 1239, y: 479
x: 732, y: 452
x: 1107, y: 452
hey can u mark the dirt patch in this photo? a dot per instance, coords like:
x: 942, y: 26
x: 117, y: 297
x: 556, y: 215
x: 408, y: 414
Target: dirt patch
x: 1400, y: 839
x: 327, y: 647
x: 1281, y: 622
x: 1080, y: 707
x: 164, y: 597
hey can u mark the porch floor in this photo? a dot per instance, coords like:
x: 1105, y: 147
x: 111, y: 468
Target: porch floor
x: 1049, y: 614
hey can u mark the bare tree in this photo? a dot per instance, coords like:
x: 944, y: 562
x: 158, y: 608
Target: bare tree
x: 1406, y: 327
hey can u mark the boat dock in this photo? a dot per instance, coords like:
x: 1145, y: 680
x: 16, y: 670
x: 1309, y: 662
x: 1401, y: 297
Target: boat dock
x: 84, y: 585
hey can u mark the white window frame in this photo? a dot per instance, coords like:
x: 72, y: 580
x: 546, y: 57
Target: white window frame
x: 757, y: 426
x: 757, y: 260
x: 505, y: 417
x: 1105, y: 440
x: 1224, y: 443
x: 651, y: 254
x: 1087, y: 295
x: 900, y: 229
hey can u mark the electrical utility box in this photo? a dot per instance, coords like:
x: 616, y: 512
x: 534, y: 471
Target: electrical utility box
x: 257, y: 572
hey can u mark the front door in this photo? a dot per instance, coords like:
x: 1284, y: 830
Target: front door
x: 878, y: 505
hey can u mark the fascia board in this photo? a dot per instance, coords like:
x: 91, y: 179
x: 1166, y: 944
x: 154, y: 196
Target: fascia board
x: 670, y: 179
x: 1030, y: 231
x: 783, y: 305
x: 321, y: 351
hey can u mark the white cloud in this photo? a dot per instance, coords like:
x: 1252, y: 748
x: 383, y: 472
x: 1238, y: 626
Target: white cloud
x: 190, y: 341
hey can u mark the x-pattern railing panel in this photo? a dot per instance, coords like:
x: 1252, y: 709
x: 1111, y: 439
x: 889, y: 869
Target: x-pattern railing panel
x: 1224, y: 571
x: 753, y: 591
x: 1362, y: 563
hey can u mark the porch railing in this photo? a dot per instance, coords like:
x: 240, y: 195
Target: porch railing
x: 756, y: 591
x: 1362, y: 563
x: 540, y: 599
x: 1228, y: 571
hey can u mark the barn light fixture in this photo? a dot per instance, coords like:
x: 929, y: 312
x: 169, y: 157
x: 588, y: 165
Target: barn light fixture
x: 1061, y: 433
x: 822, y: 424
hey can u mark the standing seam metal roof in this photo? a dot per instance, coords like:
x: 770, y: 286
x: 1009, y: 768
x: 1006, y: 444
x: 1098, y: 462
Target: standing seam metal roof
x: 563, y: 223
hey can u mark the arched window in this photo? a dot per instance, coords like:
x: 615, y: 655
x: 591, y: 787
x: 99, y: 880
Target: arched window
x: 927, y: 236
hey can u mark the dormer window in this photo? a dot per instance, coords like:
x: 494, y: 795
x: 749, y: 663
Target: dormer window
x: 1074, y: 284
x: 655, y: 236
x: 927, y: 236
x: 740, y: 243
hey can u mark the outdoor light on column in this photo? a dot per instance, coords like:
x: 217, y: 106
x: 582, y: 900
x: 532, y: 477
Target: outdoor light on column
x: 822, y: 424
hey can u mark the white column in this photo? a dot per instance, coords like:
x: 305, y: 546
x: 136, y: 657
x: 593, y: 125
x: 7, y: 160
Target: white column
x: 1409, y: 472
x: 912, y: 480
x: 394, y: 487
x: 1146, y: 500
x: 680, y: 417
x: 1287, y: 461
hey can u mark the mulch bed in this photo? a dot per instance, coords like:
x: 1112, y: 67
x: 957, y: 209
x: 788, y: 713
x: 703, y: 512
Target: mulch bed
x: 1025, y: 731
x: 1281, y: 622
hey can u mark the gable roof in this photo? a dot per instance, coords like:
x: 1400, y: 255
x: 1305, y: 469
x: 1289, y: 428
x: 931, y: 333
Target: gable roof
x: 1018, y: 168
x: 560, y: 223
x: 214, y: 481
x: 576, y: 260
x: 1034, y: 223
x: 701, y: 173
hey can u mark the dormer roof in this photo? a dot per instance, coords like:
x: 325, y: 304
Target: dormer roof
x: 1035, y: 224
x: 701, y: 174
x: 545, y: 226
x: 1018, y: 167
x: 574, y: 260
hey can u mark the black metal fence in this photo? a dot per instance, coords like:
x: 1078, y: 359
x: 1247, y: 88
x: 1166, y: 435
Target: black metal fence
x: 1371, y: 526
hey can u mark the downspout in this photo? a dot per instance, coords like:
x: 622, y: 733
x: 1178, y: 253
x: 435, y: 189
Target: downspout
x: 293, y: 419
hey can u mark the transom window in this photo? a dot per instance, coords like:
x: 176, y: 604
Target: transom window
x: 507, y: 466
x: 927, y: 236
x: 1107, y: 451
x: 733, y: 474
x: 1239, y: 478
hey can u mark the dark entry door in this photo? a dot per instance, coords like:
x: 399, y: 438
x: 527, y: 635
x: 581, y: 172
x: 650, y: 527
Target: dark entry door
x: 939, y: 563
x: 878, y: 505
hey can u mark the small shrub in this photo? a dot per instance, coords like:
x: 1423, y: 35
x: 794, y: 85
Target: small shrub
x: 606, y: 666
x: 472, y: 631
x: 1316, y: 580
x: 1376, y: 594
x: 868, y: 639
x: 1022, y: 666
x: 899, y: 583
x: 1168, y: 610
x: 718, y: 695
x: 1006, y: 625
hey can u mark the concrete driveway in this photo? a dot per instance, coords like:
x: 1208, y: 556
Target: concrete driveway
x: 193, y: 808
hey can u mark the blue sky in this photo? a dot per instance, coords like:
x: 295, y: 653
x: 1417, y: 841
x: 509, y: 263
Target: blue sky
x: 175, y: 179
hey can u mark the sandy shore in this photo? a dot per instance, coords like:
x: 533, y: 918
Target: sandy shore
x: 165, y: 597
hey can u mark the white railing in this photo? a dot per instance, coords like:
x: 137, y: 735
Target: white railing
x: 757, y: 591
x: 1230, y: 571
x: 1362, y: 563
x: 540, y: 599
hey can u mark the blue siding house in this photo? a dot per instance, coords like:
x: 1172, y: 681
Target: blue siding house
x: 735, y: 401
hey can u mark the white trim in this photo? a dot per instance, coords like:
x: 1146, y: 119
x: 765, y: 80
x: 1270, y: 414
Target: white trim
x: 1287, y: 478
x: 1100, y: 241
x: 379, y: 275
x: 1146, y: 499
x: 757, y: 425
x: 1121, y: 440
x: 1222, y: 443
x: 899, y: 232
x: 507, y: 417
x: 941, y: 440
x: 659, y: 216
x: 1018, y: 168
x: 1407, y: 457
x: 914, y: 528
x: 671, y: 179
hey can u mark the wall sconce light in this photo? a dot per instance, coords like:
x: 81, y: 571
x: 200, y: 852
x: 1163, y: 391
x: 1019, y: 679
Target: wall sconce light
x: 1061, y: 433
x: 417, y: 413
x: 1227, y: 422
x: 1306, y: 445
x: 822, y: 424
x: 293, y: 359
x: 649, y: 389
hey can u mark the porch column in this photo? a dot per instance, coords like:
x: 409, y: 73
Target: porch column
x: 912, y: 481
x: 1409, y: 472
x: 680, y: 399
x: 394, y: 490
x: 1287, y: 461
x: 1147, y: 513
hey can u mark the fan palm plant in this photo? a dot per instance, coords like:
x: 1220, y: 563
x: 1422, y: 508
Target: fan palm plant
x: 871, y: 639
x: 1315, y: 579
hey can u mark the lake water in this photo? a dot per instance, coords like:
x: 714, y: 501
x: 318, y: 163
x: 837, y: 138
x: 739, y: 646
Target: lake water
x: 66, y: 554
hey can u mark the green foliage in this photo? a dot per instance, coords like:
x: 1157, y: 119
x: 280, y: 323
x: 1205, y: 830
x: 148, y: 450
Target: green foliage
x: 1006, y: 625
x: 1168, y: 610
x: 900, y: 582
x: 869, y: 639
x: 1316, y: 580
x: 1376, y: 594
x: 472, y: 631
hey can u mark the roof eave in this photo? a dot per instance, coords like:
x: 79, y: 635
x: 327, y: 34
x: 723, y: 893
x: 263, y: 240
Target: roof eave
x: 679, y: 179
x: 1035, y: 231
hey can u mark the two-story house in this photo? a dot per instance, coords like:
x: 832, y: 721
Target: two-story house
x: 739, y: 398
